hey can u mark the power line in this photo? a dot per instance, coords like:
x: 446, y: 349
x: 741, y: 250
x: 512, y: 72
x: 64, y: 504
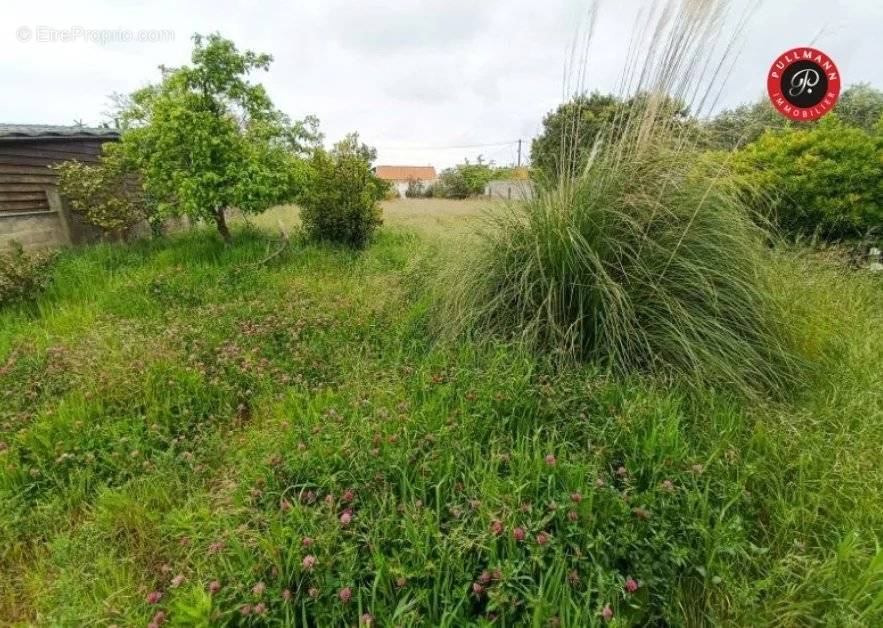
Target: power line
x: 447, y: 147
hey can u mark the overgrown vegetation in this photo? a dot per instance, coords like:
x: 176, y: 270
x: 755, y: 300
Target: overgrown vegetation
x: 638, y: 264
x: 340, y: 200
x: 819, y: 179
x: 205, y: 139
x: 564, y: 146
x: 860, y: 106
x: 639, y: 254
x: 23, y: 276
x: 190, y: 436
x: 106, y: 194
x: 194, y: 433
x: 467, y: 179
x: 824, y: 180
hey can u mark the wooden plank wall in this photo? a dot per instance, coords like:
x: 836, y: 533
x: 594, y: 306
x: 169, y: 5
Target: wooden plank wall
x: 25, y: 176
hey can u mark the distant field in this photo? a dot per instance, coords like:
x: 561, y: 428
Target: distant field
x: 429, y: 216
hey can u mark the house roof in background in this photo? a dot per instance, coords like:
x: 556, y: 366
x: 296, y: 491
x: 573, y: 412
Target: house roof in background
x: 50, y: 131
x: 405, y: 173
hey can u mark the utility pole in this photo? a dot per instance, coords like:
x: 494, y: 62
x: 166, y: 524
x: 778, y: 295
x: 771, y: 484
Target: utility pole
x: 519, y: 153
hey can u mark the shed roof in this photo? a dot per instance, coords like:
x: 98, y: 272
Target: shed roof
x: 405, y: 173
x: 50, y: 131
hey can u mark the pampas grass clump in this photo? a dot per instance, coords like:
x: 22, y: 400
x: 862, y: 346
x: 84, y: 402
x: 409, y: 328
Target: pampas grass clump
x: 644, y: 259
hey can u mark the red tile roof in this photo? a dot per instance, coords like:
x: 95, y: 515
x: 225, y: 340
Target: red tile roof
x: 405, y: 173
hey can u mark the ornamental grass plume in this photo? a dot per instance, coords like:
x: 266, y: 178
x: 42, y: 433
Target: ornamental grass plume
x: 641, y: 255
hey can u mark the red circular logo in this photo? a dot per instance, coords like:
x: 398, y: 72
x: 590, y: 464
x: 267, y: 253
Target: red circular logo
x: 803, y: 84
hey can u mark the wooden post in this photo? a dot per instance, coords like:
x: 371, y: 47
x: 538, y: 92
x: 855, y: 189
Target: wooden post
x: 56, y: 204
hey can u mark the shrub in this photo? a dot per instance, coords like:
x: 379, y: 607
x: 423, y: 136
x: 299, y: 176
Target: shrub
x: 340, y: 201
x: 451, y: 184
x: 23, y: 276
x: 826, y: 179
x: 477, y: 176
x: 106, y: 194
x: 468, y: 179
x: 415, y: 189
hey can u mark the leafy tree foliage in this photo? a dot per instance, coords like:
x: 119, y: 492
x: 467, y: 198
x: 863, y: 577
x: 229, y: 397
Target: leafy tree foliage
x: 340, y: 202
x: 571, y: 131
x: 205, y: 139
x: 451, y: 183
x: 105, y: 194
x: 469, y: 179
x: 825, y: 179
x: 860, y: 105
x: 742, y: 125
x: 351, y: 145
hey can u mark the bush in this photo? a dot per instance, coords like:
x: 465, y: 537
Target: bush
x: 107, y: 195
x: 23, y: 276
x: 415, y: 189
x: 826, y: 179
x: 451, y: 184
x: 340, y: 201
x: 647, y: 261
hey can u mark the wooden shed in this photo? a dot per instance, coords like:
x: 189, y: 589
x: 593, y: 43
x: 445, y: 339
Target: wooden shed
x: 31, y: 210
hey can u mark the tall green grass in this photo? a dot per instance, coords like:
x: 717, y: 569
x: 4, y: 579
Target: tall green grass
x: 644, y: 259
x: 165, y: 400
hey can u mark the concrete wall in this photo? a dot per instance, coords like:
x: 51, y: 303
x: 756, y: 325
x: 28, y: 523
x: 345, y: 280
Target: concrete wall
x: 48, y: 229
x: 34, y: 231
x: 510, y: 190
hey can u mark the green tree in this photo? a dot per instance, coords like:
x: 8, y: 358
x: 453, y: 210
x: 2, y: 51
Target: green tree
x: 205, y: 139
x: 451, y: 184
x: 825, y: 179
x: 571, y: 131
x: 469, y: 179
x: 860, y: 105
x: 351, y: 145
x: 742, y: 125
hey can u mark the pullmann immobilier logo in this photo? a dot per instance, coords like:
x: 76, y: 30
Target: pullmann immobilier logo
x: 803, y: 84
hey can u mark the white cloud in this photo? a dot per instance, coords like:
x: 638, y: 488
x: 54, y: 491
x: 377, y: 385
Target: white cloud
x: 405, y: 73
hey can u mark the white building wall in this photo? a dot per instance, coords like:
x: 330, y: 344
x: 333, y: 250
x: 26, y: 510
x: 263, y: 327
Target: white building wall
x: 402, y: 186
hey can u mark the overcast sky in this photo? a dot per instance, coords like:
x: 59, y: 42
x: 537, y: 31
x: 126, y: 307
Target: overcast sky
x: 410, y: 76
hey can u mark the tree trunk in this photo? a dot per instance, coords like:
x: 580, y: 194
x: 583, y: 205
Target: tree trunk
x: 221, y: 222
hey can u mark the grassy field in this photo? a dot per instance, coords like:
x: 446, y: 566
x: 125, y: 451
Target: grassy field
x: 189, y: 436
x: 433, y: 218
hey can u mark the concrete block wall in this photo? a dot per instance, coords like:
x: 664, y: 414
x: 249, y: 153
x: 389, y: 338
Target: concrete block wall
x: 33, y: 231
